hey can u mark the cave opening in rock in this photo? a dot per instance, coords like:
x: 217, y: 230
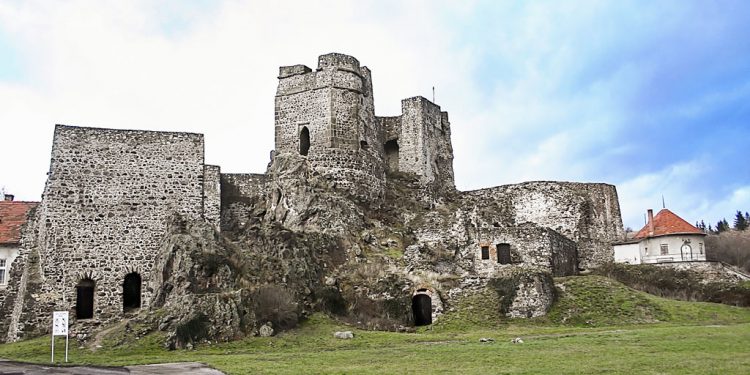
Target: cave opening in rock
x: 131, y: 292
x: 421, y: 306
x: 85, y: 299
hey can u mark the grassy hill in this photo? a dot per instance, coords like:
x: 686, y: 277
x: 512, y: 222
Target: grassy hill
x: 597, y: 325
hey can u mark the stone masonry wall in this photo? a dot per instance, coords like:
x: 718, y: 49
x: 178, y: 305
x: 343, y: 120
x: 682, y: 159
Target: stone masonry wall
x: 589, y: 214
x: 212, y: 195
x: 105, y: 208
x: 241, y: 195
x: 531, y: 247
x: 424, y: 142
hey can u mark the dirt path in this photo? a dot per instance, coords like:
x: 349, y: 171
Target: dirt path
x: 96, y: 343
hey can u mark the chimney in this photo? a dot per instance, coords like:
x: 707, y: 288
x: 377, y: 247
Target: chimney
x: 650, y: 222
x: 9, y: 197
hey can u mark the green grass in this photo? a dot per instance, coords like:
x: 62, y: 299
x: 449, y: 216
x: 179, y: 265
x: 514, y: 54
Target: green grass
x: 627, y: 332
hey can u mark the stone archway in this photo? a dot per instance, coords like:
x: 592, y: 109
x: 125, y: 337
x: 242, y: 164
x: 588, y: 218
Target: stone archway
x: 131, y: 292
x: 85, y: 299
x: 421, y: 307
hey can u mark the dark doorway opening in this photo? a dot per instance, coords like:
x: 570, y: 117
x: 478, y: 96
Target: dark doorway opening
x: 304, y: 141
x: 421, y: 306
x: 85, y: 299
x: 131, y: 292
x: 485, y: 252
x: 391, y: 154
x: 503, y: 253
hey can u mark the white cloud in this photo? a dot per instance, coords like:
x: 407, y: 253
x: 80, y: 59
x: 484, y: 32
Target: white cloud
x: 534, y: 91
x: 110, y: 64
x: 678, y: 184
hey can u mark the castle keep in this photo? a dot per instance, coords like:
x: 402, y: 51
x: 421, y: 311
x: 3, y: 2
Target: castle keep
x: 353, y: 205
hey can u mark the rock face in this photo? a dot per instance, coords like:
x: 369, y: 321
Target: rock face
x: 357, y: 215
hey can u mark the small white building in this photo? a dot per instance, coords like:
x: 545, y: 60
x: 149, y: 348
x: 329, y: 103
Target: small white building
x: 665, y: 238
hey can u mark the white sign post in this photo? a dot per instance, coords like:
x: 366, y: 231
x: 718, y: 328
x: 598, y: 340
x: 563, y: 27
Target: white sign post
x: 59, y: 328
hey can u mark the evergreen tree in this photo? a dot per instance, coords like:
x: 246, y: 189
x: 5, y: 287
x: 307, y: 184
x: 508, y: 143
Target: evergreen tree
x: 740, y: 223
x: 722, y: 226
x: 711, y: 229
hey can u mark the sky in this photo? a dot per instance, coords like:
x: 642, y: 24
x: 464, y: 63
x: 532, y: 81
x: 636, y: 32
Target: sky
x: 651, y: 96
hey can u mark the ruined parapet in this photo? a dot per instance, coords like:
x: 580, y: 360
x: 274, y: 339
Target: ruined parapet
x: 419, y: 141
x: 328, y: 118
x: 587, y: 213
x: 212, y: 195
x: 243, y: 199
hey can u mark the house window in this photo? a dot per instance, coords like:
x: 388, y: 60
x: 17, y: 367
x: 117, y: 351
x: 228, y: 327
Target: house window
x: 700, y: 248
x: 485, y: 252
x: 2, y: 272
x: 664, y: 249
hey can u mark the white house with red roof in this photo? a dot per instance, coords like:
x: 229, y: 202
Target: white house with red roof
x: 665, y: 238
x: 13, y: 215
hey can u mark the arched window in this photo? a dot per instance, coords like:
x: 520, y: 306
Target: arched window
x: 391, y: 154
x: 131, y: 292
x: 304, y: 141
x: 85, y: 299
x: 421, y: 306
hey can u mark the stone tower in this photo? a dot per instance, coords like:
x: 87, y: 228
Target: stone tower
x: 419, y: 142
x: 328, y: 118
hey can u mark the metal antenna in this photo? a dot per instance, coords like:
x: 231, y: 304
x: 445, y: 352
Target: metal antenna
x: 433, y: 94
x: 662, y: 202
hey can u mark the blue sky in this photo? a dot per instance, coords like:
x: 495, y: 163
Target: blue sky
x: 651, y: 96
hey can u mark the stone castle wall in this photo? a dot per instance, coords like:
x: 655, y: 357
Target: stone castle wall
x: 241, y: 194
x: 588, y: 214
x: 105, y: 209
x: 212, y: 195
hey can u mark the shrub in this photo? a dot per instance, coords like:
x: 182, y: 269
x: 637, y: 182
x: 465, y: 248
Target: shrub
x: 276, y: 304
x: 329, y: 299
x: 192, y: 330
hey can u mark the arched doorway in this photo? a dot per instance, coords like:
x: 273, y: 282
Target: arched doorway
x: 421, y: 306
x: 85, y: 299
x: 131, y: 292
x: 304, y: 141
x: 391, y: 154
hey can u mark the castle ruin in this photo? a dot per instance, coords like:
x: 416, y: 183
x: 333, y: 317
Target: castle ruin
x: 354, y: 205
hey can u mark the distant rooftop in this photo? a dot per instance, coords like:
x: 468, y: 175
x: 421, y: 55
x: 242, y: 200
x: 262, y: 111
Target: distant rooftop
x: 666, y: 222
x: 12, y: 216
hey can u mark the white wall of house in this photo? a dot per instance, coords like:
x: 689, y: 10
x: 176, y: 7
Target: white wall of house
x: 7, y: 255
x: 670, y: 248
x: 628, y: 253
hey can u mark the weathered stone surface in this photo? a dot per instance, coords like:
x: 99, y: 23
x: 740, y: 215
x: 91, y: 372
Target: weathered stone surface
x: 265, y: 330
x: 356, y: 215
x: 346, y: 335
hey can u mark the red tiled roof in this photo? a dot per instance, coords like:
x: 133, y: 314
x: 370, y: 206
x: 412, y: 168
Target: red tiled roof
x: 12, y: 216
x: 666, y: 222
